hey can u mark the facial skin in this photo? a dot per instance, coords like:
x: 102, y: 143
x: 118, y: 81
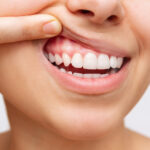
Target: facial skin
x: 33, y: 94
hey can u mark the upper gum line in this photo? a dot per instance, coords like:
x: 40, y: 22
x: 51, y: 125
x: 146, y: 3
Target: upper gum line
x: 69, y: 47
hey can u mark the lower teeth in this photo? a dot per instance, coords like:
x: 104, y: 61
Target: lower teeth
x: 89, y: 76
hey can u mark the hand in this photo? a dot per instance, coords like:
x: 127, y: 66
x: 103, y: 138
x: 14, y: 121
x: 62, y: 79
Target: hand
x: 13, y: 29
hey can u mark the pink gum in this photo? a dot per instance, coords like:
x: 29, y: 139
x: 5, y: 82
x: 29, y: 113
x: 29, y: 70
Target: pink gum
x: 55, y: 46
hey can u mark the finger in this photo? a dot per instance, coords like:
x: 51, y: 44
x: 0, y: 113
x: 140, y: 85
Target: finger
x: 13, y: 29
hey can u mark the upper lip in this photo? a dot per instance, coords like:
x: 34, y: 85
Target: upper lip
x: 100, y: 45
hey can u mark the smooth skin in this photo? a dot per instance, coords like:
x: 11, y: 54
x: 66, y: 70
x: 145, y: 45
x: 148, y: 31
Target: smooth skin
x: 43, y: 114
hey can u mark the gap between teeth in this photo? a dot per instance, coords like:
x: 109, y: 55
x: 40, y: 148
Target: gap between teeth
x: 89, y: 61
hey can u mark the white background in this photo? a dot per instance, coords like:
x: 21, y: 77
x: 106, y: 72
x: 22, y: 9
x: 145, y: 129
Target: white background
x: 138, y: 119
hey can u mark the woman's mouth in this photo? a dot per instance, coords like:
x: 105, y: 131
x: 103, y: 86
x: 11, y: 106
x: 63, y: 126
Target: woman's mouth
x: 82, y: 69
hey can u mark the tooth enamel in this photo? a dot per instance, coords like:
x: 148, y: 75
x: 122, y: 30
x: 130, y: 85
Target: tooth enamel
x: 77, y: 60
x: 58, y: 59
x: 66, y: 59
x: 113, y: 62
x: 119, y: 62
x: 63, y: 70
x: 87, y: 76
x: 90, y: 61
x: 80, y: 75
x: 51, y: 58
x: 96, y: 75
x: 104, y: 75
x: 103, y: 62
x: 70, y: 72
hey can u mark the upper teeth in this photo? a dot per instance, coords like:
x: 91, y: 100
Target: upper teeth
x: 90, y: 61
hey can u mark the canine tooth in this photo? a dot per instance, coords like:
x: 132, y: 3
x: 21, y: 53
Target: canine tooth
x: 103, y: 62
x: 77, y: 60
x: 96, y: 75
x: 87, y: 75
x: 51, y: 58
x: 119, y: 62
x: 66, y: 59
x: 80, y: 75
x: 58, y: 59
x: 63, y: 70
x: 104, y: 75
x: 70, y: 72
x: 90, y: 61
x: 113, y: 62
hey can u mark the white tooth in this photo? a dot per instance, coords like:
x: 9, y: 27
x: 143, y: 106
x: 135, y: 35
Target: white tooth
x: 113, y: 62
x: 80, y: 75
x: 103, y: 62
x: 104, y: 75
x: 70, y: 72
x: 87, y: 75
x: 51, y: 58
x: 63, y: 70
x: 96, y: 75
x: 119, y: 62
x: 66, y: 59
x: 77, y: 60
x: 58, y: 59
x: 90, y: 61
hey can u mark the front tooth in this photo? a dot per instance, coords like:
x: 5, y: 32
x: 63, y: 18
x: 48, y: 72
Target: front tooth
x: 119, y: 62
x: 58, y: 59
x: 80, y: 75
x: 63, y: 70
x: 104, y: 75
x: 66, y: 59
x: 113, y: 62
x: 77, y: 60
x: 87, y: 75
x: 70, y: 72
x: 90, y: 61
x: 103, y: 62
x: 51, y: 58
x: 96, y: 76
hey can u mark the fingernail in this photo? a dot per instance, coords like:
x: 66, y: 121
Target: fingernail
x: 53, y: 27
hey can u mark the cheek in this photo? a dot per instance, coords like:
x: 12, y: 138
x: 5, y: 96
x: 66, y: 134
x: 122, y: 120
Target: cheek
x: 22, y: 7
x: 138, y: 12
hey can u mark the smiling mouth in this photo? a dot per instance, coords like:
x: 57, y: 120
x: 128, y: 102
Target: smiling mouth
x: 82, y: 69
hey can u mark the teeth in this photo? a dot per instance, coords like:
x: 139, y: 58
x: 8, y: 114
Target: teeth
x: 58, y: 59
x: 113, y: 62
x: 66, y: 59
x: 77, y: 60
x: 63, y: 70
x: 96, y: 75
x: 103, y: 62
x: 119, y: 62
x: 87, y: 76
x: 90, y: 61
x: 80, y: 75
x: 104, y: 75
x: 69, y: 72
x: 51, y: 58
